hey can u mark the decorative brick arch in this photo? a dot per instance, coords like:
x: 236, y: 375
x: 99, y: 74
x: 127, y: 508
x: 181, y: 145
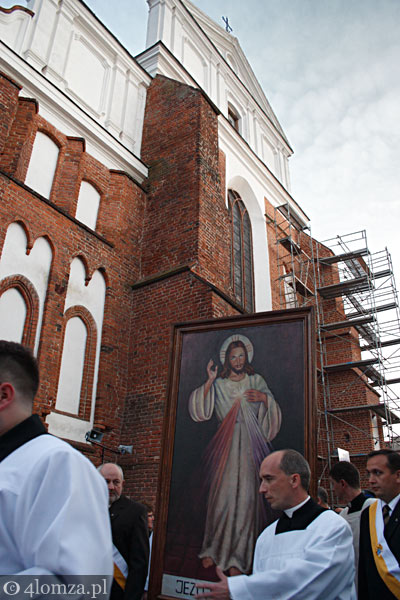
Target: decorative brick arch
x: 18, y: 221
x: 31, y: 299
x: 85, y: 263
x: 92, y: 181
x: 85, y: 401
x: 49, y: 131
x: 105, y: 275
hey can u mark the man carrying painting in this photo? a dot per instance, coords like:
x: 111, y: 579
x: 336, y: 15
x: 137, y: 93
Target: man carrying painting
x: 307, y: 554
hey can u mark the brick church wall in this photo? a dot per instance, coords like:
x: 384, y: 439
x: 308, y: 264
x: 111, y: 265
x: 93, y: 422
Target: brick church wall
x: 114, y: 249
x: 186, y: 218
x: 164, y: 252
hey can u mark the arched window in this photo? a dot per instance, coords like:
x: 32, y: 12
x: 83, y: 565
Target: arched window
x: 88, y: 205
x: 72, y: 364
x: 29, y: 274
x: 13, y: 313
x: 242, y: 252
x: 42, y: 165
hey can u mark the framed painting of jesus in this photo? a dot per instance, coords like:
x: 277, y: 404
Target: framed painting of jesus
x: 239, y: 388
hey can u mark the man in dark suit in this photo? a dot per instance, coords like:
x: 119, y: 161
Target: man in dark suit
x: 130, y: 538
x: 379, y: 569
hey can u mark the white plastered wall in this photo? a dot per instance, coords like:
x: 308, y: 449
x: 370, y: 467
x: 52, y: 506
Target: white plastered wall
x: 91, y: 297
x: 248, y: 193
x: 85, y: 82
x: 72, y: 49
x: 72, y: 366
x: 35, y: 266
x: 13, y: 27
x: 224, y: 81
x: 248, y: 176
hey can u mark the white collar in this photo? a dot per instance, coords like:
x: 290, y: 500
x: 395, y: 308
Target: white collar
x: 289, y: 511
x: 392, y: 503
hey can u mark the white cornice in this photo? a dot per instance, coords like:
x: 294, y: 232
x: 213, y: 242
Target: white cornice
x: 67, y: 116
x: 159, y: 60
x: 101, y: 32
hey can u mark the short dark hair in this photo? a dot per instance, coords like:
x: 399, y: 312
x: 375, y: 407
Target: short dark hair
x: 322, y: 494
x: 293, y: 462
x: 19, y: 367
x: 392, y: 457
x: 346, y: 471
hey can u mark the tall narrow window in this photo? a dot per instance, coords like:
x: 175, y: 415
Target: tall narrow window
x: 12, y: 315
x: 42, y: 165
x: 88, y: 205
x: 233, y: 117
x: 72, y: 365
x: 242, y: 252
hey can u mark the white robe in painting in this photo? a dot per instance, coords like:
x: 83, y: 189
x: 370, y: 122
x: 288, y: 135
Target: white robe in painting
x: 316, y: 563
x: 232, y: 460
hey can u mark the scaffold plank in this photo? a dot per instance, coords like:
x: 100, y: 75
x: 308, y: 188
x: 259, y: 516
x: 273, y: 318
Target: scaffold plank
x: 363, y: 365
x: 347, y: 323
x: 372, y: 309
x: 378, y: 409
x: 359, y: 284
x: 394, y: 342
x: 330, y: 260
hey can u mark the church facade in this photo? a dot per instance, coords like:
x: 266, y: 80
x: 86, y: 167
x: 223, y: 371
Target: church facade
x: 138, y: 192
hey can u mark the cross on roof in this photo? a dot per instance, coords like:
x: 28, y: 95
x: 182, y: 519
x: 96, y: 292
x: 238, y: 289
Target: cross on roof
x: 227, y: 26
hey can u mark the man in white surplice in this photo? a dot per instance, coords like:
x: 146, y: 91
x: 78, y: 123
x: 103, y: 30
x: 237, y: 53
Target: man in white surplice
x: 249, y: 417
x: 307, y: 554
x: 53, y: 503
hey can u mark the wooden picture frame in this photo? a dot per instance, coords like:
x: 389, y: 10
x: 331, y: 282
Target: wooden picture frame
x: 208, y: 500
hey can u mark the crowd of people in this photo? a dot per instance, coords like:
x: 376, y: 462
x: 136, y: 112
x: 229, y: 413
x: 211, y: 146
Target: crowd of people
x: 60, y: 516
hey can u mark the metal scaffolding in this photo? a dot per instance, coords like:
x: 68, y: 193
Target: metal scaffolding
x: 294, y: 259
x: 368, y: 300
x: 357, y: 320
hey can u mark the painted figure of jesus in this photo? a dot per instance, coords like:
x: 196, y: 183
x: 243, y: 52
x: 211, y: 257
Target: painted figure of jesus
x: 249, y: 418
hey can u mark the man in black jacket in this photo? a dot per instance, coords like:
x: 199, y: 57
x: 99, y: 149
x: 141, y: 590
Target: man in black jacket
x: 130, y: 538
x: 379, y: 570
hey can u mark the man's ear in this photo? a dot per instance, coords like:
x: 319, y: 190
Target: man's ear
x: 296, y: 481
x: 7, y: 395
